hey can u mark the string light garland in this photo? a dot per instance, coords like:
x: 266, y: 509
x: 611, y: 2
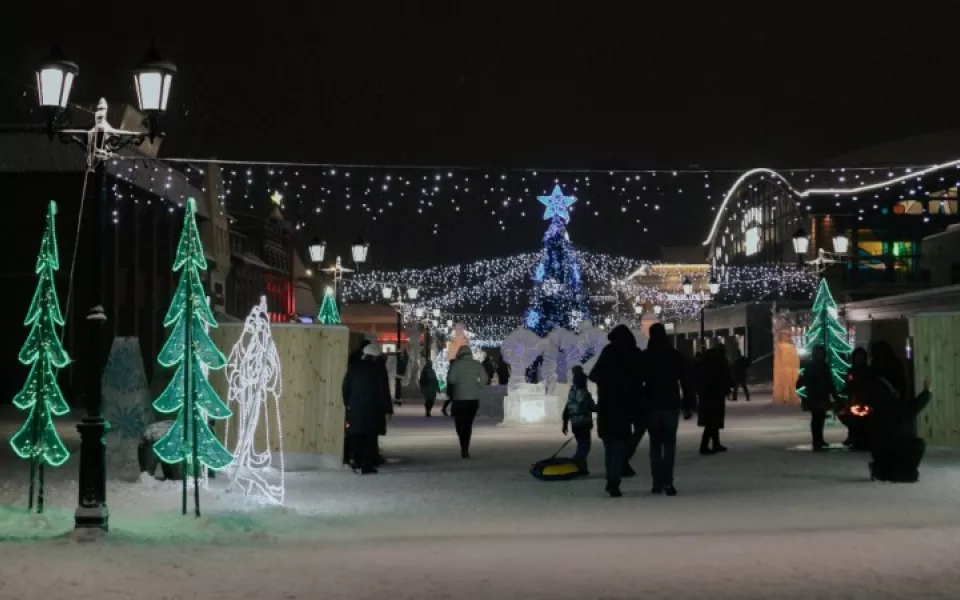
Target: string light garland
x: 190, y: 440
x: 37, y: 439
x: 254, y: 386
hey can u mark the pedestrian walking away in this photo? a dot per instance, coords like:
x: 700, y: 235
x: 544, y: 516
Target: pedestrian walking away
x: 713, y: 378
x: 738, y: 369
x: 618, y: 374
x: 667, y: 392
x: 428, y: 386
x: 466, y: 376
x: 578, y: 415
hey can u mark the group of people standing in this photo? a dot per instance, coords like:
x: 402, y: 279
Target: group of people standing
x: 874, y: 405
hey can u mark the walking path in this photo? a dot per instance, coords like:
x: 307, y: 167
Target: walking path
x: 761, y: 521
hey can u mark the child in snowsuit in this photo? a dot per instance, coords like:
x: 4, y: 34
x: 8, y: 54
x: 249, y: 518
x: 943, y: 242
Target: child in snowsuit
x: 578, y: 413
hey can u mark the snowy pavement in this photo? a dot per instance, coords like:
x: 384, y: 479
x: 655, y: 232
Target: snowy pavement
x: 762, y: 521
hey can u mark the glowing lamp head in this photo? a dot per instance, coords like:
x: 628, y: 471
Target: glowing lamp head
x: 387, y: 292
x: 841, y: 243
x: 687, y: 286
x: 657, y: 309
x: 359, y: 250
x: 638, y: 309
x: 801, y: 242
x: 419, y: 312
x: 436, y: 313
x: 55, y: 80
x: 412, y: 293
x: 317, y: 251
x: 714, y: 285
x: 153, y: 79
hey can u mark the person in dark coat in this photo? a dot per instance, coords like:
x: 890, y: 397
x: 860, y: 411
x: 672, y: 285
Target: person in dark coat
x: 738, y: 370
x: 366, y: 397
x: 715, y: 383
x: 618, y: 374
x: 445, y: 409
x: 403, y: 359
x: 895, y: 447
x: 489, y: 368
x: 428, y: 386
x: 855, y: 411
x: 353, y: 358
x: 818, y: 394
x: 667, y: 392
x: 503, y: 372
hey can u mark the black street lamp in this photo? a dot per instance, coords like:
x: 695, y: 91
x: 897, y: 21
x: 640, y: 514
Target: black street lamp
x: 153, y: 79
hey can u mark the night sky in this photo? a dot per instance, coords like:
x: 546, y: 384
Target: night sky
x: 504, y: 88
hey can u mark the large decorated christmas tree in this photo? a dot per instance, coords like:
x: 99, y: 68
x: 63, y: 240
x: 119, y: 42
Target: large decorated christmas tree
x: 827, y: 331
x: 558, y: 298
x: 38, y: 440
x: 190, y: 440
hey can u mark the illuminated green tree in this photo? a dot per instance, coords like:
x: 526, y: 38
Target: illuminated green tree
x: 827, y: 331
x: 329, y: 315
x: 38, y: 440
x: 190, y: 440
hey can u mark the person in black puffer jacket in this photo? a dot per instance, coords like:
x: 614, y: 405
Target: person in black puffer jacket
x: 618, y: 374
x: 667, y: 392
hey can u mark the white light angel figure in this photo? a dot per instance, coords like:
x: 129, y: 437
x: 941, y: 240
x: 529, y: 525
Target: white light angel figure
x: 253, y: 378
x: 561, y: 352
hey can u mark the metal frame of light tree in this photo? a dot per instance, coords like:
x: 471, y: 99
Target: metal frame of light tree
x: 189, y: 347
x: 38, y: 440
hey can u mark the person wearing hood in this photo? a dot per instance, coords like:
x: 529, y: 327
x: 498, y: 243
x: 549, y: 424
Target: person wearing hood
x: 618, y: 374
x: 666, y: 379
x: 428, y: 386
x: 366, y: 397
x: 466, y: 376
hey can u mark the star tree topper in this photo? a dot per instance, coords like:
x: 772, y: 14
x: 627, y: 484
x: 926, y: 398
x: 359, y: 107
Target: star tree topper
x: 558, y: 205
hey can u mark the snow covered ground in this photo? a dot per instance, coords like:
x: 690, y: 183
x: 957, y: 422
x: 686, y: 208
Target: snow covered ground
x: 762, y: 521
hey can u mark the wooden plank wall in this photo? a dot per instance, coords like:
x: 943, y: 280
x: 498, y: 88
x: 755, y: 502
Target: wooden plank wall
x: 313, y: 360
x: 937, y: 357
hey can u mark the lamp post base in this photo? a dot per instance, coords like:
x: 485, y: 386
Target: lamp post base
x: 92, y: 511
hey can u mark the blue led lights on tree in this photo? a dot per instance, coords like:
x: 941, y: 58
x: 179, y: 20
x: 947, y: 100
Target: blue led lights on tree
x: 558, y: 298
x: 38, y: 440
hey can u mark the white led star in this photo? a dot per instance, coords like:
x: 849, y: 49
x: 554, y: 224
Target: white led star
x: 558, y: 205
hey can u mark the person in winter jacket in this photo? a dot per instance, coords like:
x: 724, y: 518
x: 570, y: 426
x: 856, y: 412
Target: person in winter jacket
x: 817, y: 382
x: 428, y: 386
x: 466, y: 376
x: 854, y: 412
x: 503, y: 372
x: 489, y: 367
x: 715, y: 383
x: 668, y: 393
x: 578, y: 413
x: 618, y: 374
x: 738, y: 369
x: 896, y: 449
x: 366, y: 397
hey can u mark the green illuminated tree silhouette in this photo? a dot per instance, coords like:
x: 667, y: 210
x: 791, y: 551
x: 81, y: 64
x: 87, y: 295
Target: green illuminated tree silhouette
x: 37, y: 440
x: 190, y: 440
x: 329, y: 315
x: 826, y: 331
